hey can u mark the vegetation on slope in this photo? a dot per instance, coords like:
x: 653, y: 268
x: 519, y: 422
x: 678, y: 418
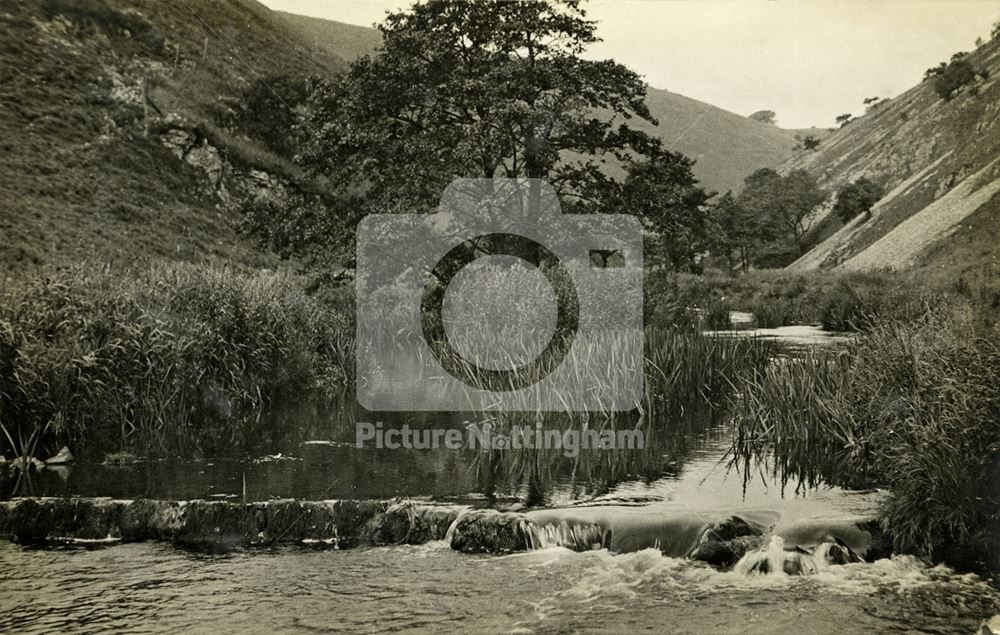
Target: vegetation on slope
x: 920, y: 147
x: 89, y: 89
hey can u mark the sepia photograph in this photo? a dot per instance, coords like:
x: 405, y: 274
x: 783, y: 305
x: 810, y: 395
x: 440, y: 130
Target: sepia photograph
x: 500, y: 316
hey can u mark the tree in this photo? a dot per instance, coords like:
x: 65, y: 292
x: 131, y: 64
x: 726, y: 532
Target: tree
x: 740, y: 231
x: 857, y: 198
x: 953, y: 78
x: 487, y: 89
x: 845, y: 119
x: 810, y: 142
x: 781, y: 206
x: 793, y: 213
x: 268, y: 111
x: 764, y: 116
x: 934, y: 71
x: 662, y: 191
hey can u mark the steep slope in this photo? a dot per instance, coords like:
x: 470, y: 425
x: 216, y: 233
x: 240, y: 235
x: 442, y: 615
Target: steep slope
x: 346, y: 41
x: 726, y: 146
x: 938, y: 160
x: 115, y: 127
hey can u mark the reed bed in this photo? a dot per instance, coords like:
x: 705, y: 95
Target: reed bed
x: 175, y: 358
x: 911, y: 406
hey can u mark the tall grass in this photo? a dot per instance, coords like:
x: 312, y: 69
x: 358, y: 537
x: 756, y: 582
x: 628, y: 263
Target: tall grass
x: 911, y: 406
x: 176, y: 357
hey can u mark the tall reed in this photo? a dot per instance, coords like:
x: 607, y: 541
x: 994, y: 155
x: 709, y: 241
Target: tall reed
x: 177, y: 356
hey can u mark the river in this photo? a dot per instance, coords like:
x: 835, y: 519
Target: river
x: 152, y: 587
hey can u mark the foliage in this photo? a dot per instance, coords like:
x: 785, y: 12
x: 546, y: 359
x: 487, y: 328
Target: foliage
x: 857, y: 198
x: 268, y: 111
x: 954, y: 77
x: 844, y: 119
x: 768, y: 221
x: 455, y: 91
x: 839, y: 301
x: 173, y: 358
x: 912, y: 406
x: 764, y: 116
x: 810, y: 142
x: 664, y: 194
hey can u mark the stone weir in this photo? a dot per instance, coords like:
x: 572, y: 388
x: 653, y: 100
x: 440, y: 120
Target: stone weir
x: 722, y: 540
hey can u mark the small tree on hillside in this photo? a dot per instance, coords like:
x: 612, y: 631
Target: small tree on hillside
x: 764, y: 116
x: 844, y: 119
x: 953, y: 78
x: 810, y: 142
x: 857, y: 198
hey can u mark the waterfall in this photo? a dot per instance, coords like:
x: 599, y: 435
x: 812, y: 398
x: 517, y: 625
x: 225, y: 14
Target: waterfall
x: 575, y: 536
x: 775, y: 559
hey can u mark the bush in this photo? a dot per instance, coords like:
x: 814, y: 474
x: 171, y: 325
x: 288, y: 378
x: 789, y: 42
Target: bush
x: 857, y: 198
x: 172, y: 358
x: 953, y: 77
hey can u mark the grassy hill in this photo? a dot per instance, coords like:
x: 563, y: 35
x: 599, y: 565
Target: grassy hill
x: 346, y: 41
x: 939, y: 160
x: 726, y: 146
x: 114, y: 130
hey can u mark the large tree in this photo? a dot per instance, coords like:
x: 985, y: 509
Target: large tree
x: 483, y: 89
x: 779, y: 208
x: 663, y: 193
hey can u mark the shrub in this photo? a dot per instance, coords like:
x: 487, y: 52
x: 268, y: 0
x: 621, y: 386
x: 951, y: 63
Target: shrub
x: 953, y: 77
x: 857, y: 198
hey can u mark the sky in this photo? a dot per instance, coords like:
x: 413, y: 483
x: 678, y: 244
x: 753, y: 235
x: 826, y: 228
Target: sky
x: 807, y: 60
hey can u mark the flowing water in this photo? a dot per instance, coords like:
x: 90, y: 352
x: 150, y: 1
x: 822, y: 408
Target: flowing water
x: 682, y: 472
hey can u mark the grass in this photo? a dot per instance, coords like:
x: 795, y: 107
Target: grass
x: 174, y: 358
x: 837, y: 301
x: 86, y: 177
x: 912, y: 407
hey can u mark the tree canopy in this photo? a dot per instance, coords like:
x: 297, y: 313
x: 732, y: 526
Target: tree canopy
x: 486, y: 89
x: 496, y: 89
x: 765, y: 116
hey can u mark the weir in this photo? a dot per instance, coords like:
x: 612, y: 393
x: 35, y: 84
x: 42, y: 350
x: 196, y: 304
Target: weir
x: 751, y: 542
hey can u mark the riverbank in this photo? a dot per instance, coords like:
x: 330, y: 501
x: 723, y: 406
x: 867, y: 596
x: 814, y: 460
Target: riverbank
x: 913, y: 407
x: 186, y: 360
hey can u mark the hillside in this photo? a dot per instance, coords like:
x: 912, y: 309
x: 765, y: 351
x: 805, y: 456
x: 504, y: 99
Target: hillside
x: 346, y: 41
x: 117, y: 129
x: 939, y: 161
x: 141, y: 130
x: 727, y: 147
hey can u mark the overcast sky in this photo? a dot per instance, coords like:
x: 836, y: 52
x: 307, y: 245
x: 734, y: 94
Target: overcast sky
x: 808, y: 60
